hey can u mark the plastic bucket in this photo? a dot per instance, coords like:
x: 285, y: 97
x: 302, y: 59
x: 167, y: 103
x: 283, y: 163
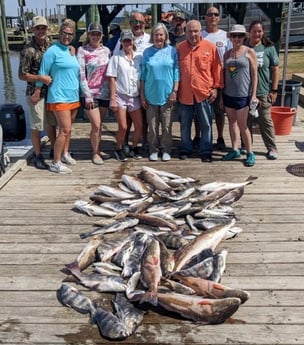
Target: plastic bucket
x: 282, y: 118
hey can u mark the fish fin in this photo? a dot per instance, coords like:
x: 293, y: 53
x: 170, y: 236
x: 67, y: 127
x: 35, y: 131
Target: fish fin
x: 149, y: 297
x: 205, y: 302
x: 251, y: 178
x: 218, y: 287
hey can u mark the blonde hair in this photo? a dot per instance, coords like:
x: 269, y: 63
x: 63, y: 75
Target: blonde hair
x: 156, y: 27
x: 68, y: 23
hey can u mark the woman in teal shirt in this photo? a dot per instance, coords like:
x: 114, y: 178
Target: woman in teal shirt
x: 63, y: 92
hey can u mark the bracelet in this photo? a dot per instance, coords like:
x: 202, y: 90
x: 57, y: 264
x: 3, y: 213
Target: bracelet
x: 274, y: 91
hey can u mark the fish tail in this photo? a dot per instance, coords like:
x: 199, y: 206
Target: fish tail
x: 73, y: 267
x: 84, y: 235
x: 149, y: 297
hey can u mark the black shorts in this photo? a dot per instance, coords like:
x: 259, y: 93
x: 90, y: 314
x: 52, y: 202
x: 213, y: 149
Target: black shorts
x: 96, y: 103
x: 236, y: 102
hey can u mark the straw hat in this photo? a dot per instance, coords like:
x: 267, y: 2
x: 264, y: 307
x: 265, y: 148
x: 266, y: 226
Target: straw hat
x: 237, y: 29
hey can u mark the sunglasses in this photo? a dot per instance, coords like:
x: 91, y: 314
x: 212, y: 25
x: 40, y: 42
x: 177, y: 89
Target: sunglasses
x: 136, y: 22
x: 237, y: 35
x: 67, y: 34
x: 211, y: 14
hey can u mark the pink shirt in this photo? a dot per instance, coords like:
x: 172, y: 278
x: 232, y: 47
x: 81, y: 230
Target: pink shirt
x: 200, y: 71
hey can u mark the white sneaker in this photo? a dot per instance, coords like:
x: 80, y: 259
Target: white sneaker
x: 68, y: 159
x: 166, y: 157
x: 153, y: 156
x: 59, y: 168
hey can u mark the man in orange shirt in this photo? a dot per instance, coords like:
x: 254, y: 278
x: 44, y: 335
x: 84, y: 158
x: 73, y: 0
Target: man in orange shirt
x: 200, y: 77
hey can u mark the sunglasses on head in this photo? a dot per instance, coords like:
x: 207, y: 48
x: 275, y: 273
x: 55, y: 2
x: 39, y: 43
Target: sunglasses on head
x: 211, y: 14
x: 135, y: 22
x: 237, y: 35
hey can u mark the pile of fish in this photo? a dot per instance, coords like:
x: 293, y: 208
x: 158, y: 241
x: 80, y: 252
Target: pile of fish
x: 154, y: 245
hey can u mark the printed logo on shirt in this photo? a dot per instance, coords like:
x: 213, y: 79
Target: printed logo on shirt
x: 219, y: 44
x: 232, y: 67
x: 260, y: 58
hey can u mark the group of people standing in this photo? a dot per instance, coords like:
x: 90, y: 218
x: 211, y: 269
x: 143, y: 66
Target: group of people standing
x: 188, y: 71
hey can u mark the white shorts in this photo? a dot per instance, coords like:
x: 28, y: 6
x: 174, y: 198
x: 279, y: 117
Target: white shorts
x: 128, y: 102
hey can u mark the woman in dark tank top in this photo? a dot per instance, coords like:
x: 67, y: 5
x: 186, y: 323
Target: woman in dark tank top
x: 240, y: 85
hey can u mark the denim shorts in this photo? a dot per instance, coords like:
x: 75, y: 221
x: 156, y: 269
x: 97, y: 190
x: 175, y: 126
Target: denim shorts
x: 96, y: 103
x: 236, y: 102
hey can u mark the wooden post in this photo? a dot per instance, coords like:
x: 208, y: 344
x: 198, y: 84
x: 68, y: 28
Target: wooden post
x: 3, y: 33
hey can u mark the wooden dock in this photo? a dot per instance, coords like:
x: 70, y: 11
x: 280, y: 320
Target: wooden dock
x: 40, y: 234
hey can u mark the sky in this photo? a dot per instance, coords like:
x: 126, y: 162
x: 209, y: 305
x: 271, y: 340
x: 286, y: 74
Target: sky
x: 11, y: 6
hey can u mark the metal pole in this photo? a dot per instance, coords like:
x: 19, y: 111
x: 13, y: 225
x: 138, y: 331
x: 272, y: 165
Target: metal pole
x: 286, y: 52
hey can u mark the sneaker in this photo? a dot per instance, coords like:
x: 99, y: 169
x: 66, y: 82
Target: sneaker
x: 250, y: 161
x: 40, y: 163
x: 120, y: 156
x: 153, y: 156
x: 126, y: 150
x: 136, y: 153
x: 272, y: 154
x: 207, y: 158
x: 51, y: 154
x: 220, y: 144
x: 59, y: 168
x: 166, y: 157
x: 183, y: 156
x: 105, y: 156
x: 68, y: 159
x: 231, y: 155
x: 97, y: 160
x: 196, y: 142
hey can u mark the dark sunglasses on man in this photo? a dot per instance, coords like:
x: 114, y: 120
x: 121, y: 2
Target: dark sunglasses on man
x: 136, y: 22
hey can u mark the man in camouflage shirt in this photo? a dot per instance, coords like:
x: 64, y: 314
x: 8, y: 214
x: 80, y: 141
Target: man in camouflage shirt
x: 30, y: 59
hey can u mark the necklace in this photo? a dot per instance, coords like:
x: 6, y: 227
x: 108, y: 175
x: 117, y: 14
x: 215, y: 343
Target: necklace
x: 236, y: 53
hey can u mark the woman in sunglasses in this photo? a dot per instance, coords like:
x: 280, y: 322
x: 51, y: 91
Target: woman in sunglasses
x: 240, y: 87
x: 63, y: 92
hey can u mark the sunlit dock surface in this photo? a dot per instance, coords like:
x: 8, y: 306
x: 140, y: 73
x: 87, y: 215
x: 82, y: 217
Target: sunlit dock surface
x: 40, y: 234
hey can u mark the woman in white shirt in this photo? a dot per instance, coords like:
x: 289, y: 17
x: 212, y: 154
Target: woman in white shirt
x: 124, y: 73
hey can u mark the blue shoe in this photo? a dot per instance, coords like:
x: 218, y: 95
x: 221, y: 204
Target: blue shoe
x: 231, y: 155
x: 250, y: 161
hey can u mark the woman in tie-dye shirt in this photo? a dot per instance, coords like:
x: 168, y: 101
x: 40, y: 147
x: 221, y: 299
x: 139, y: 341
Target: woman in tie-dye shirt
x: 93, y: 58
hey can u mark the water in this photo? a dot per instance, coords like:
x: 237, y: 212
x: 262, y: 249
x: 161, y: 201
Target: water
x: 12, y: 90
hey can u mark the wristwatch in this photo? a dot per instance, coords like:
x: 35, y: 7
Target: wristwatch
x: 274, y: 91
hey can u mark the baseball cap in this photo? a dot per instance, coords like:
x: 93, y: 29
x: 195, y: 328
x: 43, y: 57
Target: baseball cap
x: 95, y: 27
x: 39, y: 21
x: 126, y: 35
x: 179, y: 15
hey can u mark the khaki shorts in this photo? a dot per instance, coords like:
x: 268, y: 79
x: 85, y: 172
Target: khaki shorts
x: 39, y: 116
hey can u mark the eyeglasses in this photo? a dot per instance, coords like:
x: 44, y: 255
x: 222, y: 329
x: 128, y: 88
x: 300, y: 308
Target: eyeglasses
x: 211, y: 14
x: 67, y: 34
x: 136, y: 22
x: 237, y: 35
x: 95, y: 33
